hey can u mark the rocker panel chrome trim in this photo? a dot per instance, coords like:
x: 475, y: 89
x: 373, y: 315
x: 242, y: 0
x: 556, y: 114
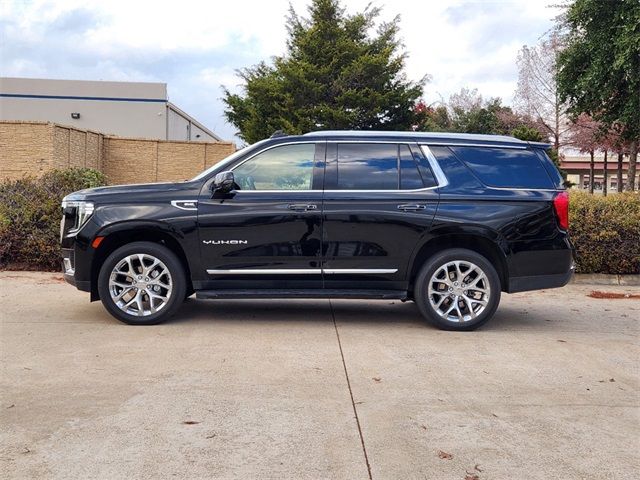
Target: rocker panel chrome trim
x: 300, y: 271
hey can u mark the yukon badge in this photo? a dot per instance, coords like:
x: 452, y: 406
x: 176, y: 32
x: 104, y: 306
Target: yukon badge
x: 225, y: 242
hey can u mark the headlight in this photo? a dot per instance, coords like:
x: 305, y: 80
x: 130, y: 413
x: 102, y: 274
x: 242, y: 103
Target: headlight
x: 80, y: 210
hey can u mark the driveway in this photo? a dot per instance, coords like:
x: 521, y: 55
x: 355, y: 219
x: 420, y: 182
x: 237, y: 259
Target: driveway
x: 549, y: 389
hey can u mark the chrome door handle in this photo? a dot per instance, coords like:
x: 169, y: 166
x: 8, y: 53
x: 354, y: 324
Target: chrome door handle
x: 302, y: 207
x: 411, y: 207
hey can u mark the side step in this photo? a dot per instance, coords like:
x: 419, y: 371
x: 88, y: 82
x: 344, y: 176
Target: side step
x: 303, y: 293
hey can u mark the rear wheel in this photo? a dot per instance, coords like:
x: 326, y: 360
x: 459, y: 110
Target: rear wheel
x: 457, y: 289
x: 142, y: 283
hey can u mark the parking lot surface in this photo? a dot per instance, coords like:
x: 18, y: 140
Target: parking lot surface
x: 270, y: 389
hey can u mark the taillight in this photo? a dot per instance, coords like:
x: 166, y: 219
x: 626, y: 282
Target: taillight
x: 561, y: 206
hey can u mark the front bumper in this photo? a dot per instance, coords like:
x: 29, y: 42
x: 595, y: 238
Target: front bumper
x: 69, y: 270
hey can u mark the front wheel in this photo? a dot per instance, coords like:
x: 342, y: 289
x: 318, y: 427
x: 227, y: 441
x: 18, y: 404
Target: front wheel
x: 457, y: 289
x: 142, y: 283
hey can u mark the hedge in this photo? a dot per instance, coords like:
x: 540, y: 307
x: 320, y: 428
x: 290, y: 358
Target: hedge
x: 604, y: 230
x: 30, y: 216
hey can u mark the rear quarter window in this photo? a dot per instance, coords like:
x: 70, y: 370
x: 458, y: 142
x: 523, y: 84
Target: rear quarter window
x: 552, y: 170
x: 505, y: 167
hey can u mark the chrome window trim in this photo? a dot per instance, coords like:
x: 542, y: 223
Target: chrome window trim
x: 339, y: 191
x: 522, y: 189
x: 277, y: 191
x: 298, y: 271
x: 384, y: 191
x: 441, y: 178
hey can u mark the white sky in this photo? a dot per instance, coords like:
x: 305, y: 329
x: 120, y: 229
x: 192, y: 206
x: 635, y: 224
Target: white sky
x: 195, y: 47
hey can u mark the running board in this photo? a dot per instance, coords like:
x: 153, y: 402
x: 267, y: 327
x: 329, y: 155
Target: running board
x: 302, y: 293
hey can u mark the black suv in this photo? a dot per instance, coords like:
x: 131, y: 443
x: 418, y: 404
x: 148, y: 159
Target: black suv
x: 446, y: 220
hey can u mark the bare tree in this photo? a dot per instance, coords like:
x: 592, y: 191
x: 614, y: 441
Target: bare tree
x: 585, y: 137
x: 537, y: 93
x: 466, y: 100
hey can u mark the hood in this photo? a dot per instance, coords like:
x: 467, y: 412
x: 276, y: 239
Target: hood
x: 131, y: 193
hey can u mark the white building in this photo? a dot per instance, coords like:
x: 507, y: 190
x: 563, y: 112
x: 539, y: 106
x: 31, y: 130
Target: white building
x: 126, y: 109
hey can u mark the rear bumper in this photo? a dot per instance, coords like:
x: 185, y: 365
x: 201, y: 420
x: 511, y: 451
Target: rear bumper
x: 540, y: 282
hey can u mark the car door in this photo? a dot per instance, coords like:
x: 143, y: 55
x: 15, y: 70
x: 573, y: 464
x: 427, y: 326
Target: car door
x: 379, y: 201
x: 266, y: 234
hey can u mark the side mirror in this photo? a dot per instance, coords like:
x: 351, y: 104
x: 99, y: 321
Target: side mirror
x: 224, y: 182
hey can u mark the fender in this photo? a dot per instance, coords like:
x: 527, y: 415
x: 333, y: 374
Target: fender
x: 465, y: 233
x: 139, y: 224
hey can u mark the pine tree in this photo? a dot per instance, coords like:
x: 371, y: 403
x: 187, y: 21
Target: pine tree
x: 334, y: 75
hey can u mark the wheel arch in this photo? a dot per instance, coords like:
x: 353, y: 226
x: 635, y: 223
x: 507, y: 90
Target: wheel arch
x: 127, y: 232
x: 487, y: 244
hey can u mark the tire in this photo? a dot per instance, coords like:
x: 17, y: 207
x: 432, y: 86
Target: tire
x: 477, y: 299
x: 156, y: 286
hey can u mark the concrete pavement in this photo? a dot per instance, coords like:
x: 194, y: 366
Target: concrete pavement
x: 317, y: 389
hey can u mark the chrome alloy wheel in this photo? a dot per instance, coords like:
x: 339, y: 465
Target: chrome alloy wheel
x: 140, y: 284
x: 459, y: 291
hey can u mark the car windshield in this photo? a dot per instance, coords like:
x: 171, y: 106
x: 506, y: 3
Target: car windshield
x: 226, y: 161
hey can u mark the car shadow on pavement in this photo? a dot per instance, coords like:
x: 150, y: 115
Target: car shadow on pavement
x: 298, y: 310
x: 353, y: 312
x: 391, y: 313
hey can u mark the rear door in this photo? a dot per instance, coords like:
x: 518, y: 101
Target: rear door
x: 379, y: 201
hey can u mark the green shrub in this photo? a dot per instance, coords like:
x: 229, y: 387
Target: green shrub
x: 30, y: 216
x: 605, y: 232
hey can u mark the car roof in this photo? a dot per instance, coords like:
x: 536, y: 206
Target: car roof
x: 445, y: 138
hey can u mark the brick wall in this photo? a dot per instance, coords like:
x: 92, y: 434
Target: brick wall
x: 25, y: 148
x: 30, y: 148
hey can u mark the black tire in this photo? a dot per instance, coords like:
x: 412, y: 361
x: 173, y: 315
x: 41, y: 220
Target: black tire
x: 449, y: 292
x: 177, y: 281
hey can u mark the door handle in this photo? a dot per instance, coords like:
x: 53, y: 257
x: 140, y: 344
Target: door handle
x: 411, y: 207
x: 301, y: 207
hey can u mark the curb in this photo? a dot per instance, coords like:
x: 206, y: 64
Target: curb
x: 605, y: 279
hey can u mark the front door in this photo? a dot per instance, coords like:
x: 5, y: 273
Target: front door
x: 267, y: 233
x: 379, y: 202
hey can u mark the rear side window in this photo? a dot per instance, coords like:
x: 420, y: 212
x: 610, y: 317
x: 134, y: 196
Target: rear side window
x: 380, y: 166
x: 505, y: 167
x: 364, y: 166
x: 552, y: 170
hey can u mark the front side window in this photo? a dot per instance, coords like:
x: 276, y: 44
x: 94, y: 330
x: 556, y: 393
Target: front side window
x: 288, y: 167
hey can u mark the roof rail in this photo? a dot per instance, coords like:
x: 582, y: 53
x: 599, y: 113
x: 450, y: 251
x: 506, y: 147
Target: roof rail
x: 278, y: 134
x: 469, y: 137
